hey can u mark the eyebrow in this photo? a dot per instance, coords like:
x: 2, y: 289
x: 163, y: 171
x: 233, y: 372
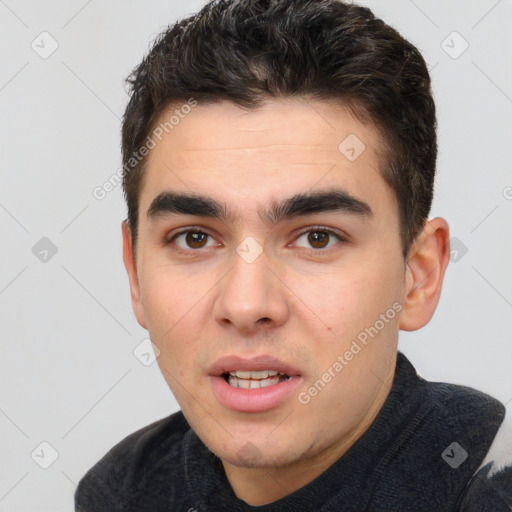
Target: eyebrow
x: 298, y: 205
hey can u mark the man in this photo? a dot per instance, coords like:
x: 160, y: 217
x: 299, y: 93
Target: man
x: 279, y: 164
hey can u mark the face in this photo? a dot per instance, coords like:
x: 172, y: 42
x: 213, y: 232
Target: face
x: 254, y: 280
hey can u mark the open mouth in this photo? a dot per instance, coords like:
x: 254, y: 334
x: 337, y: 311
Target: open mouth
x: 253, y: 385
x: 254, y: 379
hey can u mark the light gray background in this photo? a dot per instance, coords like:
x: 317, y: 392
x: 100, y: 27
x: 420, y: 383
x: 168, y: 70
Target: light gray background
x: 68, y: 373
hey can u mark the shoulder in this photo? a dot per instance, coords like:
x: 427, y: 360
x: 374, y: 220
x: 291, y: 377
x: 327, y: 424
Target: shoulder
x: 131, y: 465
x: 465, y: 414
x: 490, y: 488
x: 471, y: 437
x: 466, y: 402
x: 445, y: 441
x: 467, y: 421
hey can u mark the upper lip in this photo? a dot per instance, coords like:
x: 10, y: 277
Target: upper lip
x: 264, y: 362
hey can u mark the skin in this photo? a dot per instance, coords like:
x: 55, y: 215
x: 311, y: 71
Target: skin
x: 203, y: 303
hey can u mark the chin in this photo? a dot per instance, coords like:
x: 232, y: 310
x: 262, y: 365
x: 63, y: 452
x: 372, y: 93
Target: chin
x: 246, y: 454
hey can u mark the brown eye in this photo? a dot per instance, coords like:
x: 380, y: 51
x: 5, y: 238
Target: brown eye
x: 318, y: 239
x: 191, y: 240
x: 195, y: 240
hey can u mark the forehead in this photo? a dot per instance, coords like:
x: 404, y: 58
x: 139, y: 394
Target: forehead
x: 245, y: 157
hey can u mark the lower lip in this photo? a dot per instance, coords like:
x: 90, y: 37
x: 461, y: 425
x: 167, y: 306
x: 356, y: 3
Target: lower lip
x: 253, y: 400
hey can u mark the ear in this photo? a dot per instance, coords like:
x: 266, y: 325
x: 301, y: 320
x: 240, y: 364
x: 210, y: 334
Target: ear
x: 131, y: 268
x: 426, y: 264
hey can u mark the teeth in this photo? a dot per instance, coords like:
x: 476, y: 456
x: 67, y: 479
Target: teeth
x: 244, y: 383
x: 252, y: 384
x: 261, y: 374
x: 255, y: 379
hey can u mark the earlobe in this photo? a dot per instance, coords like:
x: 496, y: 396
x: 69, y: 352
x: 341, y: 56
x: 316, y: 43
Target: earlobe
x: 131, y: 268
x: 426, y: 266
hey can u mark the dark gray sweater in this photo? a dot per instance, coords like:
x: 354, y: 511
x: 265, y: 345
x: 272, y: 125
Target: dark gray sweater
x: 433, y: 447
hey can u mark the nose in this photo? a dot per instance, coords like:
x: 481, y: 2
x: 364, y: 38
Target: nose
x: 251, y: 296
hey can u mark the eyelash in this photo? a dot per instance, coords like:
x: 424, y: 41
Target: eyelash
x: 197, y: 229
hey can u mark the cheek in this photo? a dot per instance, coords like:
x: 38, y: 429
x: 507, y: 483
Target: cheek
x: 178, y: 308
x: 347, y: 306
x: 168, y: 299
